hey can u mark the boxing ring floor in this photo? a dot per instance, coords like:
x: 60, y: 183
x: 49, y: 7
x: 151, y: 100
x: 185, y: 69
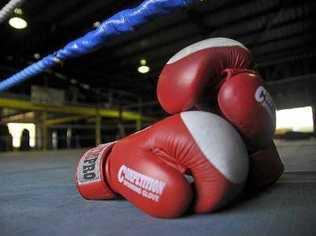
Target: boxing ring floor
x: 38, y: 197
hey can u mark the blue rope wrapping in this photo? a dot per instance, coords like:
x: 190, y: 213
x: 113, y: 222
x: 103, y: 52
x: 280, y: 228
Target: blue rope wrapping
x: 122, y: 22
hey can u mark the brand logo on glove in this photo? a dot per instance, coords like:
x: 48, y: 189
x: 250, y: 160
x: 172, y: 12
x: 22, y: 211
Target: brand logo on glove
x: 144, y: 185
x: 88, y: 169
x: 264, y: 98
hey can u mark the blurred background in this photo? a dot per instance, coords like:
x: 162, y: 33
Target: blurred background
x: 49, y: 120
x: 111, y: 93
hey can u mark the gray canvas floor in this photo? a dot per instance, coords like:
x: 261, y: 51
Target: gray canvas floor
x: 38, y: 197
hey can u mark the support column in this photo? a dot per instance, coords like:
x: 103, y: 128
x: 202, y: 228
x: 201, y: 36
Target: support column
x: 314, y: 119
x: 45, y: 131
x: 120, y: 125
x: 98, y: 129
x: 138, y: 124
x: 139, y: 120
x: 39, y: 130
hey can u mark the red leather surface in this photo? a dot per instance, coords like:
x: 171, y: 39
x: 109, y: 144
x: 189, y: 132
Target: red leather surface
x: 156, y: 152
x: 265, y: 168
x: 237, y: 102
x: 181, y: 83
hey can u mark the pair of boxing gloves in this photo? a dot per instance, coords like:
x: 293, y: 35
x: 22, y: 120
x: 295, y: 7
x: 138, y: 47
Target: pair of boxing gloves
x: 214, y: 75
x: 193, y: 159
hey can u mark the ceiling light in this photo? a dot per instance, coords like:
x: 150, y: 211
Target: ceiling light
x: 18, y: 23
x: 18, y: 11
x: 85, y: 86
x: 96, y: 24
x: 143, y: 68
x: 37, y: 55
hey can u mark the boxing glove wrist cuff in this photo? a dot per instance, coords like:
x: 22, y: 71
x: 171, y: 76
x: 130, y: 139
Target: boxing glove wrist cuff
x: 90, y: 174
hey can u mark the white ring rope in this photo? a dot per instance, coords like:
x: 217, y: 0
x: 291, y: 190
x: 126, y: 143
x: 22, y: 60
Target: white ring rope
x: 8, y: 8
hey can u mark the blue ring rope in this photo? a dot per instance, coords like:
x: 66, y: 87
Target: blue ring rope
x: 122, y: 22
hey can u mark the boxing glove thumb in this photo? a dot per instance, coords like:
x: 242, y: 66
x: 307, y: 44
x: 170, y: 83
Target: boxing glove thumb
x: 245, y: 103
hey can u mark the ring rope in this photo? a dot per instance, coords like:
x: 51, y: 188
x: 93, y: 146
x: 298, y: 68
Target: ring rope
x: 122, y: 22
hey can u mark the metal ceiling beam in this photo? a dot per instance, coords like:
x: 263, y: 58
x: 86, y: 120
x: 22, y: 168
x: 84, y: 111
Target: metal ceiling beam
x: 77, y: 110
x: 18, y: 118
x: 283, y: 57
x: 159, y: 57
x: 243, y: 21
x: 252, y: 25
x: 288, y: 43
x: 56, y: 9
x: 212, y: 20
x: 59, y: 121
x: 164, y: 23
x: 87, y: 10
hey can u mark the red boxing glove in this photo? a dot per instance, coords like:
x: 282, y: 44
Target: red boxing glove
x: 148, y: 168
x: 245, y: 103
x: 200, y: 65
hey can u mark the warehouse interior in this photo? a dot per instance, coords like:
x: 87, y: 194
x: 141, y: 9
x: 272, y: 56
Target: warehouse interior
x: 49, y: 120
